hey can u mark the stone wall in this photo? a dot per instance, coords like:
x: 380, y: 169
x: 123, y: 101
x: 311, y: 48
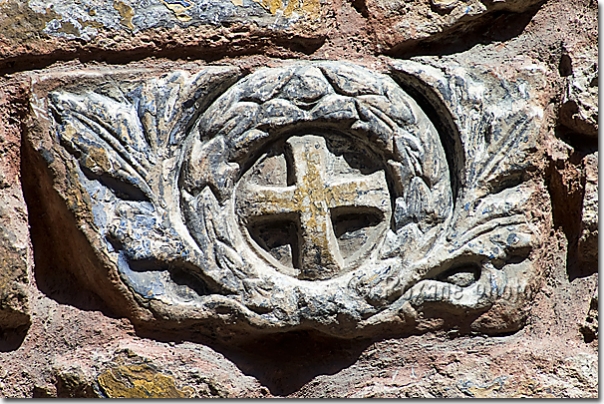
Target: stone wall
x: 303, y: 198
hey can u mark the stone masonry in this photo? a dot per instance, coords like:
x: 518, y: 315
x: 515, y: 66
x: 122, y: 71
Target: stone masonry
x: 299, y: 198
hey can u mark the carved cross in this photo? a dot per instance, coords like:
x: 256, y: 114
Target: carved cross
x: 311, y: 198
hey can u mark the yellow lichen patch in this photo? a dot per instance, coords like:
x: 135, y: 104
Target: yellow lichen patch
x: 68, y: 28
x: 126, y: 12
x: 271, y: 5
x: 98, y: 158
x: 69, y: 132
x: 139, y: 381
x: 530, y: 388
x: 486, y: 392
x: 90, y: 23
x: 292, y: 6
x: 237, y: 2
x: 179, y: 11
x: 311, y: 8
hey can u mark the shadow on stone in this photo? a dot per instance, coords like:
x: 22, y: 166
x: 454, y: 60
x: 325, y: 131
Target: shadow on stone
x: 57, y: 244
x: 208, y: 52
x: 11, y: 340
x: 285, y: 362
x: 566, y: 186
x: 282, y: 362
x: 498, y: 26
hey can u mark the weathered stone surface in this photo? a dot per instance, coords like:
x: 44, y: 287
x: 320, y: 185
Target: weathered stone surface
x: 399, y: 26
x: 589, y: 328
x: 588, y: 238
x: 183, y: 220
x: 32, y: 32
x: 15, y: 248
x: 72, y: 19
x: 579, y: 108
x: 94, y: 332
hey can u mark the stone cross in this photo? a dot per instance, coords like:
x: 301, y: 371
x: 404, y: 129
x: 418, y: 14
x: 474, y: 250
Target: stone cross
x: 312, y: 198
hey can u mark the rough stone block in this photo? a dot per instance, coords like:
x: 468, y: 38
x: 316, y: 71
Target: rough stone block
x: 312, y: 195
x: 15, y: 248
x: 400, y: 26
x: 590, y: 326
x: 32, y: 32
x: 15, y: 258
x: 579, y: 108
x: 298, y: 198
x: 588, y: 238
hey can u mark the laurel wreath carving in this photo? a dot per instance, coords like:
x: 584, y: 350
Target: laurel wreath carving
x: 181, y: 141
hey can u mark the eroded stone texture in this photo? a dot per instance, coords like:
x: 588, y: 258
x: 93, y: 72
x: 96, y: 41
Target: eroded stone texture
x: 31, y: 32
x: 15, y: 247
x: 146, y: 63
x: 107, y: 320
x: 386, y: 222
x: 399, y: 25
x: 588, y: 238
x: 590, y: 326
x: 579, y: 108
x: 14, y: 261
x: 72, y: 19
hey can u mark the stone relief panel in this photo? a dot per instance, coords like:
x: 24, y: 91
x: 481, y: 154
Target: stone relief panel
x: 316, y: 195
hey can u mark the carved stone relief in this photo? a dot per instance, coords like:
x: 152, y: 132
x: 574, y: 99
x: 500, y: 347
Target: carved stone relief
x: 315, y: 195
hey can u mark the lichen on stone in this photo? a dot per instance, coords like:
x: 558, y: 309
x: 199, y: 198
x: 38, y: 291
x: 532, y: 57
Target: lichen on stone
x: 139, y: 381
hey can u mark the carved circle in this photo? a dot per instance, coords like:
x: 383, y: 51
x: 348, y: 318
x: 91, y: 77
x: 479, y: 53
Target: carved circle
x: 332, y: 108
x: 314, y: 206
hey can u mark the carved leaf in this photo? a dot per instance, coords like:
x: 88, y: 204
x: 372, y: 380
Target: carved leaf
x: 205, y: 217
x: 142, y: 234
x: 107, y: 139
x: 121, y: 133
x: 168, y: 105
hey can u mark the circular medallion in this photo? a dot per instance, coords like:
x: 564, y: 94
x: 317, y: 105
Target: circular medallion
x: 313, y: 183
x: 313, y: 206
